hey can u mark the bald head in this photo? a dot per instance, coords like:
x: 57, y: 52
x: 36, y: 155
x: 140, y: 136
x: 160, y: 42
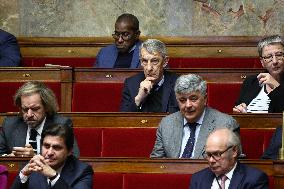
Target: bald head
x: 222, y: 150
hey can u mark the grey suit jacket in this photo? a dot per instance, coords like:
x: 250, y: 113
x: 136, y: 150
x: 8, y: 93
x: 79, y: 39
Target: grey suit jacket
x: 170, y: 132
x: 14, y: 132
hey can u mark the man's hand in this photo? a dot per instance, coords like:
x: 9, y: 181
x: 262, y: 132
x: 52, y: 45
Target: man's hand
x: 241, y: 108
x: 39, y: 164
x: 267, y: 79
x: 26, y: 151
x: 144, y: 90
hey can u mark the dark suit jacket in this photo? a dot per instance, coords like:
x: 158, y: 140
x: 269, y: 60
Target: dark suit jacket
x: 9, y: 50
x: 107, y: 56
x: 170, y: 132
x: 131, y: 87
x: 275, y: 144
x: 75, y: 174
x: 244, y: 177
x: 14, y: 132
x: 251, y: 88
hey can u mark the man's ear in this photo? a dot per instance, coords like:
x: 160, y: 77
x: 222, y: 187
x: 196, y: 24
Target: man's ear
x: 262, y: 62
x: 166, y: 61
x: 137, y: 33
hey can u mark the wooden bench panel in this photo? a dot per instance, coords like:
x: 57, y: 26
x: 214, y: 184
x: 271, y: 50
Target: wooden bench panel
x: 58, y: 79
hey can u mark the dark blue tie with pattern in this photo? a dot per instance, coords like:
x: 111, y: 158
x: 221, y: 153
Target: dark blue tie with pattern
x: 190, y: 142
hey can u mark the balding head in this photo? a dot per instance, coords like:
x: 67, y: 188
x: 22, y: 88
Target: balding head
x: 222, y: 150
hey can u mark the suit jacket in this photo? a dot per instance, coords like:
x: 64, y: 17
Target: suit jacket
x: 275, y: 144
x: 131, y: 87
x: 170, y: 132
x: 244, y: 177
x: 75, y: 174
x: 107, y: 56
x: 251, y: 88
x: 9, y: 50
x: 14, y: 132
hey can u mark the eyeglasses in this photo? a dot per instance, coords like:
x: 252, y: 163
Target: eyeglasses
x: 124, y: 35
x: 269, y: 58
x: 215, y: 155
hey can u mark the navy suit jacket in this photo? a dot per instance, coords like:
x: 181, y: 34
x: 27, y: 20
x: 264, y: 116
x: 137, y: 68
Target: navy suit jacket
x: 131, y: 87
x: 9, y: 50
x: 251, y: 88
x: 244, y: 177
x: 75, y: 174
x: 14, y: 132
x: 275, y: 144
x: 107, y: 56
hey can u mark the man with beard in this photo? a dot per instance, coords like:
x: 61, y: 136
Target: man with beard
x: 263, y: 93
x: 55, y: 167
x: 153, y: 90
x: 20, y: 135
x: 225, y: 171
x: 183, y: 134
x: 125, y: 52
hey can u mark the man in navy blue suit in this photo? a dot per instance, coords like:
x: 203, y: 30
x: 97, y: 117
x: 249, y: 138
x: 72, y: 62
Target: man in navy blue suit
x: 153, y: 89
x: 9, y: 50
x: 272, y: 151
x: 221, y: 152
x: 56, y: 167
x: 125, y: 52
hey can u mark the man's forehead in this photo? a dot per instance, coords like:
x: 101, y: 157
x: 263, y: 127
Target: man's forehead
x: 146, y: 54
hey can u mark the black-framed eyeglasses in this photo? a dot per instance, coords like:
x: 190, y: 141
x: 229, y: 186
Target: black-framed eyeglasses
x: 215, y: 155
x: 269, y: 58
x: 124, y: 35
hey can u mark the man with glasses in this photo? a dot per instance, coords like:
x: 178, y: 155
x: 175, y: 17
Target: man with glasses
x: 153, y: 89
x: 225, y: 171
x: 125, y: 52
x: 183, y: 133
x: 263, y: 93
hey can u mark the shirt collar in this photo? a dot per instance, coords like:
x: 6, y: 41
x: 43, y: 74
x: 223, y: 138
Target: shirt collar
x: 38, y: 128
x: 231, y: 172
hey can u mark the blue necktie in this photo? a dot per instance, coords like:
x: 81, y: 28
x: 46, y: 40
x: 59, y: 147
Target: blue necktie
x: 190, y: 142
x: 33, y: 140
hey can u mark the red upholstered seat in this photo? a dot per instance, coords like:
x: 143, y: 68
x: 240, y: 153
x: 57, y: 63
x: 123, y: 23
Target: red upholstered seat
x: 210, y: 62
x: 96, y: 97
x: 222, y: 96
x: 108, y: 181
x: 255, y: 141
x: 66, y: 61
x: 89, y: 141
x: 8, y: 90
x: 156, y: 181
x: 130, y: 142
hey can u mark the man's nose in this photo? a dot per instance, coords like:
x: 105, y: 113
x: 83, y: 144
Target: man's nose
x: 188, y: 103
x: 30, y: 113
x: 274, y: 59
x: 149, y: 66
x: 120, y: 39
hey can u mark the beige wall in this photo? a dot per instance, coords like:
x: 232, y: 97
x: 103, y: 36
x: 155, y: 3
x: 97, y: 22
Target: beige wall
x: 65, y: 18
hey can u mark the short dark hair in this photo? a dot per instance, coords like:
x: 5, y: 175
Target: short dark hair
x: 129, y: 18
x: 64, y: 131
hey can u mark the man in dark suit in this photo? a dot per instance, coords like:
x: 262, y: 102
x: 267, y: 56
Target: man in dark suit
x: 56, y: 167
x: 272, y: 152
x: 125, y: 52
x: 9, y: 50
x: 183, y: 134
x: 222, y: 151
x: 20, y: 135
x: 153, y: 90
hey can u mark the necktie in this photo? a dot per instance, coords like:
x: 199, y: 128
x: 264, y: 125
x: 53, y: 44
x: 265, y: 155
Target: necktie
x: 190, y: 142
x: 223, y: 180
x: 32, y: 140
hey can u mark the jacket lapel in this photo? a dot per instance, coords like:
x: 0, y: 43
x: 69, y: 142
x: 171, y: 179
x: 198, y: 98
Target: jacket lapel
x: 20, y: 135
x: 206, y: 128
x: 135, y: 63
x: 237, y: 178
x: 167, y: 86
x: 177, y: 135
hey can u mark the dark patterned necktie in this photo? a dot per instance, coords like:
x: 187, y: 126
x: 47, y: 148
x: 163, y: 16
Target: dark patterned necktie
x: 32, y: 140
x: 190, y: 142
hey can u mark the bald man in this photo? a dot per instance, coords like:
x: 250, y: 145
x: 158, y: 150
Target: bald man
x: 225, y: 172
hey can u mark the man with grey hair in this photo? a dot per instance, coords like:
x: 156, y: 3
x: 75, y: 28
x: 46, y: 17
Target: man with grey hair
x: 221, y: 152
x: 183, y: 134
x: 263, y: 93
x: 20, y: 135
x: 153, y: 90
